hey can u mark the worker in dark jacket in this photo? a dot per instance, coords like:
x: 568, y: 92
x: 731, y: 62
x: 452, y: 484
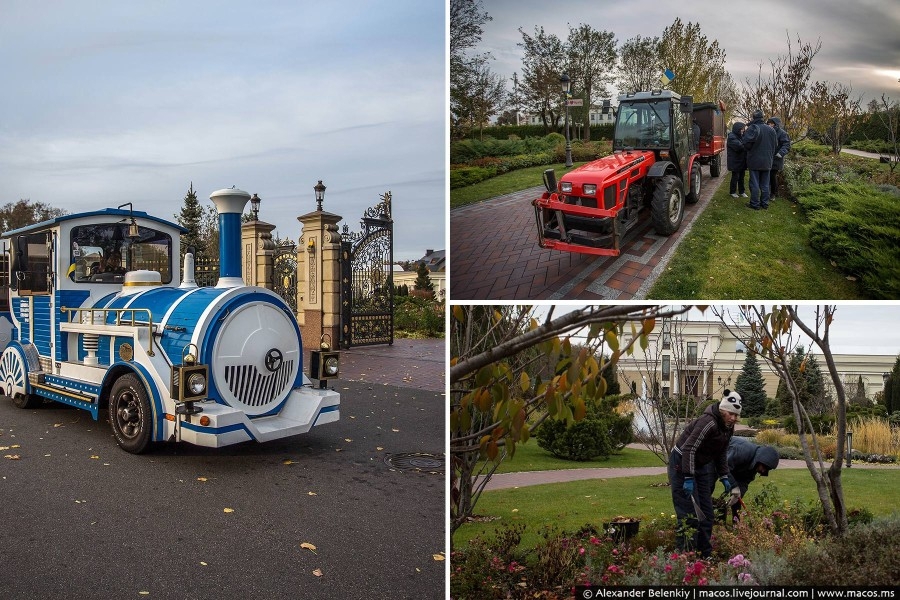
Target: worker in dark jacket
x: 746, y: 460
x: 699, y: 456
x: 737, y: 160
x: 783, y: 146
x: 760, y: 142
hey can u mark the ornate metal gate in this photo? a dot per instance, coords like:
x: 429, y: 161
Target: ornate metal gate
x: 284, y: 273
x: 367, y: 283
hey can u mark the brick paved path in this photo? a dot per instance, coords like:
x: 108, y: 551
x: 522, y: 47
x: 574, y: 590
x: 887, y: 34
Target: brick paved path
x: 407, y: 363
x: 494, y: 254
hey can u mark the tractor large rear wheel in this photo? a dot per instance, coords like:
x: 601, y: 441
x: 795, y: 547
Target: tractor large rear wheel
x: 667, y: 206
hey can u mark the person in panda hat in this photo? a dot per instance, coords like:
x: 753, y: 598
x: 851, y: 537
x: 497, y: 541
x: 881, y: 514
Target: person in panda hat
x: 700, y: 456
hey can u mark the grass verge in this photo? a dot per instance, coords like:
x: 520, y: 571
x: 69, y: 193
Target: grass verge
x: 733, y: 252
x: 514, y: 181
x: 568, y: 506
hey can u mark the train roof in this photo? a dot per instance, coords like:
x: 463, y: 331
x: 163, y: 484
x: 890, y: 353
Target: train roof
x: 107, y: 212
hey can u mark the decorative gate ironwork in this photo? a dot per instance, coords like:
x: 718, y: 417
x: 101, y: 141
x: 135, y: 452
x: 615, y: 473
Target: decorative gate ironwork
x: 284, y: 274
x: 367, y: 282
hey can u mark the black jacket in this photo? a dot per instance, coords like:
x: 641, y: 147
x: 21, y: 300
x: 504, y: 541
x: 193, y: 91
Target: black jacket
x: 736, y: 155
x: 743, y: 456
x: 783, y: 145
x: 760, y: 141
x: 705, y: 440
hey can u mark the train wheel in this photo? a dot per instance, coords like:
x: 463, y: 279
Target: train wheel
x: 14, y: 375
x: 130, y: 414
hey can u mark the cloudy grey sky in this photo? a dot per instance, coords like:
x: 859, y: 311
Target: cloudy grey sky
x: 106, y: 102
x: 860, y: 40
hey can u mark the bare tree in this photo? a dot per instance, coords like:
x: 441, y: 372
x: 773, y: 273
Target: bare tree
x: 833, y: 113
x: 785, y: 91
x: 776, y: 333
x: 662, y: 412
x: 500, y: 357
x: 888, y: 113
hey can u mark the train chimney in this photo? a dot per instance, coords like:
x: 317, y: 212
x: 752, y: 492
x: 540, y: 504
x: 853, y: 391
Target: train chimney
x: 230, y: 204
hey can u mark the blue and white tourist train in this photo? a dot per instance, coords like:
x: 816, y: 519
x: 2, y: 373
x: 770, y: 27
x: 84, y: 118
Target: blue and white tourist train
x: 100, y: 317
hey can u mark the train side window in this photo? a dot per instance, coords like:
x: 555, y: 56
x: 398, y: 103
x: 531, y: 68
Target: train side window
x: 103, y: 253
x: 31, y: 264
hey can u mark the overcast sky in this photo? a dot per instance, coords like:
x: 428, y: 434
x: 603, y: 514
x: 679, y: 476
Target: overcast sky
x: 858, y: 328
x: 107, y: 102
x: 860, y: 38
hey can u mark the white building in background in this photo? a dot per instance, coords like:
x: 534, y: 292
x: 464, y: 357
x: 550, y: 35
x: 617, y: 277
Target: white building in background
x: 600, y: 114
x: 436, y: 261
x: 702, y: 358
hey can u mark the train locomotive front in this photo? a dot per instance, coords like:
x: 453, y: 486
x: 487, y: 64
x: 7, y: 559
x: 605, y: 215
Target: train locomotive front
x: 206, y: 365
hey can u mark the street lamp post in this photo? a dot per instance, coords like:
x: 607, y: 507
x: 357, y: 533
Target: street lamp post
x: 849, y: 446
x: 565, y: 82
x: 254, y: 207
x: 320, y: 194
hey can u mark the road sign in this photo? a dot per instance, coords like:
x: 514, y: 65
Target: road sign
x: 575, y: 102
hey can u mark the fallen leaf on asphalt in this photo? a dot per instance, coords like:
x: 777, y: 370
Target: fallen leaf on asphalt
x: 313, y: 494
x: 308, y: 546
x: 202, y: 479
x: 57, y: 424
x: 204, y: 564
x: 317, y: 572
x: 12, y: 456
x: 438, y: 557
x: 228, y: 510
x: 288, y: 462
x: 347, y: 440
x: 144, y: 593
x: 379, y: 448
x: 95, y: 456
x: 4, y: 447
x: 395, y: 430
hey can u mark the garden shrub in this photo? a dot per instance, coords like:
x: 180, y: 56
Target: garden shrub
x: 486, y: 567
x: 584, y: 440
x: 865, y: 556
x: 857, y: 227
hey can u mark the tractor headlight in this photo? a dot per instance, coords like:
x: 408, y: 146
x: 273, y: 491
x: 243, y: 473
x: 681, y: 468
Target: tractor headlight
x: 197, y: 383
x: 565, y: 187
x: 590, y: 189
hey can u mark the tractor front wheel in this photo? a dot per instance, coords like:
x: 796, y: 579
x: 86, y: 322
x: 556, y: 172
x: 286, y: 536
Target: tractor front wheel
x: 667, y: 206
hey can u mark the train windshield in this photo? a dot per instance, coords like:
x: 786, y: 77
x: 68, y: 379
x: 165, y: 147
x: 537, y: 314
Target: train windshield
x: 104, y: 253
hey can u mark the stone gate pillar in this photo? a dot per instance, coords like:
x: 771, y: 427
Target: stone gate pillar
x: 319, y: 278
x: 257, y: 253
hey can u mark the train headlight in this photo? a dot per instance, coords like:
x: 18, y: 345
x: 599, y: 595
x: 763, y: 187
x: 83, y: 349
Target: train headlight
x: 189, y: 383
x: 197, y: 383
x: 324, y: 365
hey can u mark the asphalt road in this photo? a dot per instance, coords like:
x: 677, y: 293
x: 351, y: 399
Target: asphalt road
x: 81, y: 519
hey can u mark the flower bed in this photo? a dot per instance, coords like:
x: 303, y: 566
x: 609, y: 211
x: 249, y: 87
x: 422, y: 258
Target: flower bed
x: 761, y: 549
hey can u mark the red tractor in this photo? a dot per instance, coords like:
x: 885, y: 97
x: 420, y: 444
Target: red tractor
x: 654, y: 165
x: 711, y: 118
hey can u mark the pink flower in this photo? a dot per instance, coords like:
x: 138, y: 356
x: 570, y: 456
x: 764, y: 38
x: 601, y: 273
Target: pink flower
x: 674, y: 556
x: 615, y: 552
x: 581, y: 550
x: 703, y: 581
x: 594, y: 540
x: 614, y: 569
x: 668, y: 568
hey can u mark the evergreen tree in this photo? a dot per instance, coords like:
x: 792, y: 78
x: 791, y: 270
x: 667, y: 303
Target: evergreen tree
x: 191, y: 218
x: 892, y: 400
x: 807, y: 374
x: 860, y: 396
x: 752, y: 387
x: 423, y: 279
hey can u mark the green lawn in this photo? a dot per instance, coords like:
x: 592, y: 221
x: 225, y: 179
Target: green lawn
x: 507, y: 183
x: 531, y: 457
x: 568, y: 506
x: 733, y: 252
